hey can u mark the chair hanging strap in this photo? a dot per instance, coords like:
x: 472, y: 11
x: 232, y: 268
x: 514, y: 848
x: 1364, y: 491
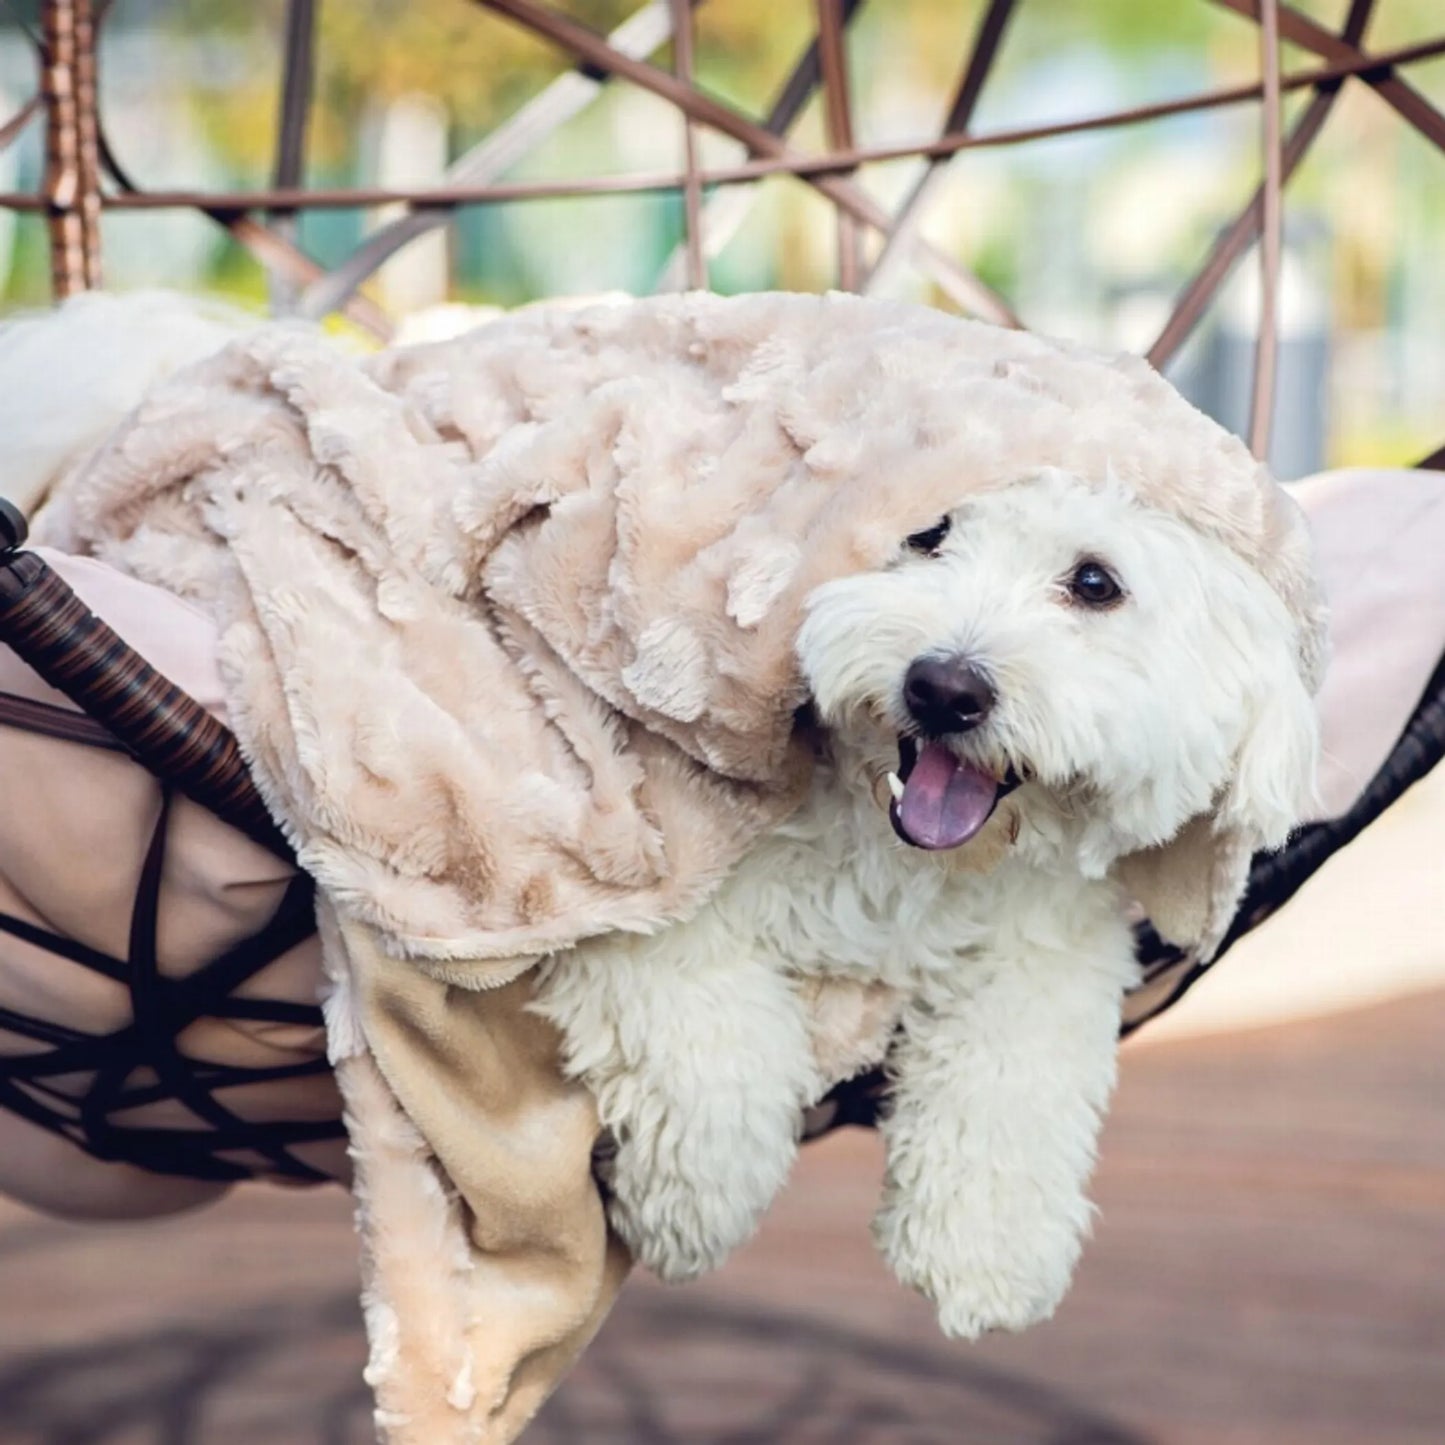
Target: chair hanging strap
x: 49, y: 721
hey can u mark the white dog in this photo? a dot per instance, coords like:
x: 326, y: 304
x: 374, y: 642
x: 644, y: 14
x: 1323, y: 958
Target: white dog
x: 1050, y: 678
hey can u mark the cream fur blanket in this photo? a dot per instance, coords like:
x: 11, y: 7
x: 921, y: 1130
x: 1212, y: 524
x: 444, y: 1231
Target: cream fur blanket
x: 508, y: 631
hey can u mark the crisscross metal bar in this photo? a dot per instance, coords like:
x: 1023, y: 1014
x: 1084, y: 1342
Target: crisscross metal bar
x: 297, y: 76
x: 1402, y: 97
x: 1266, y: 352
x: 960, y: 114
x: 682, y: 51
x: 1244, y: 230
x: 72, y: 152
x: 510, y: 142
x: 745, y: 172
x: 78, y: 150
x: 838, y: 124
x: 697, y: 105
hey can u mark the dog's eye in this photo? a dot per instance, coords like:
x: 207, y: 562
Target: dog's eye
x: 1094, y: 585
x: 928, y: 542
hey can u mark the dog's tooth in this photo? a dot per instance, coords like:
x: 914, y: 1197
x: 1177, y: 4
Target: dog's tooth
x: 895, y: 786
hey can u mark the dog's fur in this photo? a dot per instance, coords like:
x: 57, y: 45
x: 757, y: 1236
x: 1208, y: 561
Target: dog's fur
x: 1011, y: 955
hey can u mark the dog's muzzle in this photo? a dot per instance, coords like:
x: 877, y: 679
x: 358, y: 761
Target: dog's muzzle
x: 939, y: 801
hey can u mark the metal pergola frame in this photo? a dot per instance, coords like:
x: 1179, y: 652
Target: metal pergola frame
x: 82, y: 178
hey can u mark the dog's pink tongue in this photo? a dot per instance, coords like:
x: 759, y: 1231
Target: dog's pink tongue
x: 944, y: 802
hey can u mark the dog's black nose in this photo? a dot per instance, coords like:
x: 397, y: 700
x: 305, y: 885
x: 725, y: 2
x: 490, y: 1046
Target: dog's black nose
x: 947, y: 695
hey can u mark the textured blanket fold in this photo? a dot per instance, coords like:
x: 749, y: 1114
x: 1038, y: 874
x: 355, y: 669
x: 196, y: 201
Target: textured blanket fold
x: 442, y: 775
x: 507, y: 636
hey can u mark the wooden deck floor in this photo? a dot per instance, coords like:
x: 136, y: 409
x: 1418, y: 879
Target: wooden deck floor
x: 1269, y: 1267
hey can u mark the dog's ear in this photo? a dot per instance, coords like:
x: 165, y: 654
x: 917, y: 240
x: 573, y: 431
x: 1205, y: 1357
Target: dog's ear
x: 1190, y: 886
x: 1273, y: 784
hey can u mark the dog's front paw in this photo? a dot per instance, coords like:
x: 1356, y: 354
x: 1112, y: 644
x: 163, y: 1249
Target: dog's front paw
x: 975, y: 1304
x: 697, y: 1055
x: 685, y: 1197
x: 982, y: 1274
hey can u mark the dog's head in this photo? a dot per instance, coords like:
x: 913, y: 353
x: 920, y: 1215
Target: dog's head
x: 1067, y: 640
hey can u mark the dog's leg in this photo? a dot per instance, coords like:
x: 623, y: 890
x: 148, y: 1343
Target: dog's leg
x: 1001, y: 1080
x: 698, y: 1057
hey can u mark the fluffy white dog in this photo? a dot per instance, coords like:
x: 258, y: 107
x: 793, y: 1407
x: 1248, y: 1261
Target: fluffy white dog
x: 1050, y: 678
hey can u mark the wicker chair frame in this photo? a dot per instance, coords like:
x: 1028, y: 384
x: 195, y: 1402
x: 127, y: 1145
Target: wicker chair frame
x: 127, y: 705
